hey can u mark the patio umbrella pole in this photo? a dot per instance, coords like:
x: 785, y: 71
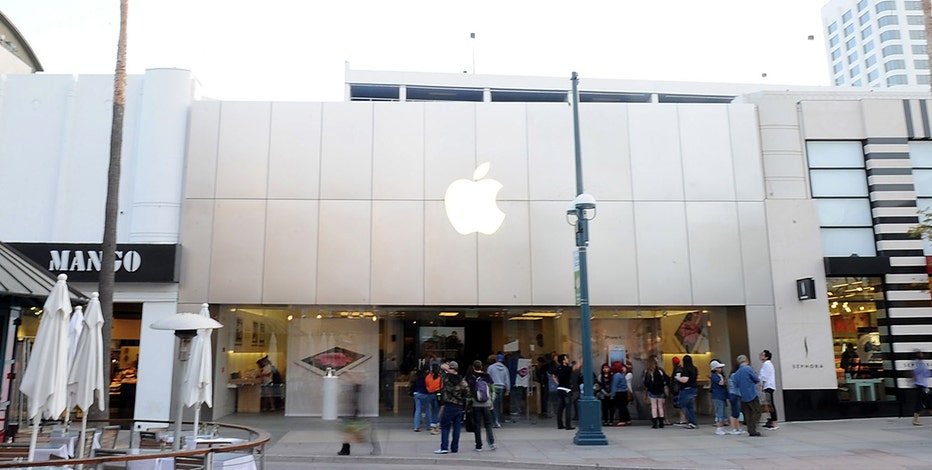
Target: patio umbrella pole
x: 197, y: 419
x: 34, y: 438
x: 176, y: 441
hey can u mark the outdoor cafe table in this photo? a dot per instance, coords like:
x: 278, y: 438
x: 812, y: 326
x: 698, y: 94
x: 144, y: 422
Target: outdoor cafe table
x: 70, y: 439
x: 155, y: 463
x: 46, y: 451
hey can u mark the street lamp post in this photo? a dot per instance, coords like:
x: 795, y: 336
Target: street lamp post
x: 579, y: 215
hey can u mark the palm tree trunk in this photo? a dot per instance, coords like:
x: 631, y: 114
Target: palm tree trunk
x: 108, y: 258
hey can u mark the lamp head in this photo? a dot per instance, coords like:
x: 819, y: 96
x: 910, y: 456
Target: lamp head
x: 585, y: 206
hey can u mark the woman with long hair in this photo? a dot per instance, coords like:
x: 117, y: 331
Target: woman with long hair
x: 655, y: 382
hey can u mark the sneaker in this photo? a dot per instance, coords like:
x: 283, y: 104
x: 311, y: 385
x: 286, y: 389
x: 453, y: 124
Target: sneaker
x: 756, y: 434
x: 477, y: 450
x: 916, y: 422
x: 680, y: 423
x: 772, y: 427
x: 492, y: 447
x: 570, y: 428
x: 736, y: 432
x: 720, y: 431
x: 690, y: 426
x: 441, y: 451
x: 497, y: 425
x: 417, y: 429
x: 435, y: 431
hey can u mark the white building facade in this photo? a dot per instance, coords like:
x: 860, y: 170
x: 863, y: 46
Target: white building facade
x: 320, y: 236
x: 876, y: 43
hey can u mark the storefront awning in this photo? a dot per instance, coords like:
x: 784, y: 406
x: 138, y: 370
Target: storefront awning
x: 20, y: 277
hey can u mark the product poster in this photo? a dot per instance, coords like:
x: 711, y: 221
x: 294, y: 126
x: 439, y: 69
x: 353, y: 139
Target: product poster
x: 524, y: 372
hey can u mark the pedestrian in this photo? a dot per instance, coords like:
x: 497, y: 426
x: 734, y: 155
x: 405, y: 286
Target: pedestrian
x: 921, y: 381
x: 604, y: 382
x: 675, y: 387
x: 746, y: 381
x: 455, y: 394
x: 502, y: 381
x: 688, y: 379
x: 357, y: 429
x: 768, y: 382
x: 562, y: 374
x: 422, y: 399
x: 655, y: 383
x: 734, y: 401
x: 434, y: 383
x: 517, y: 394
x: 481, y: 410
x: 543, y: 379
x: 719, y: 392
x: 620, y: 393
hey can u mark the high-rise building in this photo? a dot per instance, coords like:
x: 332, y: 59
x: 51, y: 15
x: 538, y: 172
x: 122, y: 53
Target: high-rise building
x: 876, y: 43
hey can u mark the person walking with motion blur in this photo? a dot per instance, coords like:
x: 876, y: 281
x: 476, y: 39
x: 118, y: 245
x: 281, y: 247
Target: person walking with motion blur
x: 502, y: 380
x: 422, y: 399
x: 921, y: 381
x: 434, y: 382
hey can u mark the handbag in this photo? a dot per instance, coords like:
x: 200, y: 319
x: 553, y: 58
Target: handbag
x: 553, y: 383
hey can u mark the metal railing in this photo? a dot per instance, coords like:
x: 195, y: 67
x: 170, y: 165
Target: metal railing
x: 254, y: 445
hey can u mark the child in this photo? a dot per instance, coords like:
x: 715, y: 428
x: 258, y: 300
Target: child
x: 719, y: 395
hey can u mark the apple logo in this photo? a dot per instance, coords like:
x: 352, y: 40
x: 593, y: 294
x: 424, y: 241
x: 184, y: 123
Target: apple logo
x: 471, y: 205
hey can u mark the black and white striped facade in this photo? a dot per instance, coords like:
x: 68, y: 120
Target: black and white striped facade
x: 906, y: 322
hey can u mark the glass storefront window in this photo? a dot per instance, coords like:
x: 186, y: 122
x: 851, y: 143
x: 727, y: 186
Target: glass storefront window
x: 855, y: 304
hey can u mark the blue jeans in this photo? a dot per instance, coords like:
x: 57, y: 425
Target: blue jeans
x: 497, y: 404
x: 452, y: 417
x: 422, y: 405
x: 688, y: 403
x: 735, y: 402
x: 434, y: 409
x: 719, y: 411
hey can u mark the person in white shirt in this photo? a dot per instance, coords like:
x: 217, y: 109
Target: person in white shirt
x: 768, y: 382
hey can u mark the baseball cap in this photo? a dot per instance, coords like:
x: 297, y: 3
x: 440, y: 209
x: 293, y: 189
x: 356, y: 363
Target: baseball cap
x: 500, y: 357
x: 453, y: 365
x: 715, y: 365
x: 676, y: 360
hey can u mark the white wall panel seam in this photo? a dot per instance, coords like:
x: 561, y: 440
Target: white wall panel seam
x: 423, y: 300
x: 527, y: 203
x: 265, y: 215
x: 689, y: 257
x: 320, y: 173
x: 61, y: 175
x: 634, y: 218
x: 213, y: 209
x: 372, y: 132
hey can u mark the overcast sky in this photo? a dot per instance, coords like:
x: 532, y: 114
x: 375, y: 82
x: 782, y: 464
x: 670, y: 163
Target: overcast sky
x: 296, y: 49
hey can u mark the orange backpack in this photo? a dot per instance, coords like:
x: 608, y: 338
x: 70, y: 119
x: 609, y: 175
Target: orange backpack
x: 433, y: 383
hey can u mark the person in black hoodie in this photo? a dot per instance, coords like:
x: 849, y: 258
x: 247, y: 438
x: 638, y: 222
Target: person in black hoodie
x: 455, y: 394
x: 481, y: 411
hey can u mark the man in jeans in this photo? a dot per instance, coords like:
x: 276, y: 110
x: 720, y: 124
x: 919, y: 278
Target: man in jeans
x: 501, y: 380
x: 562, y: 374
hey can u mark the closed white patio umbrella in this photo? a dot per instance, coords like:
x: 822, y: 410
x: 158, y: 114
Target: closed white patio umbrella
x: 46, y: 376
x: 86, y: 378
x: 198, y: 378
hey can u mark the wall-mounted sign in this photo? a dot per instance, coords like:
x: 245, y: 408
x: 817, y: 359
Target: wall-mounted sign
x: 805, y: 288
x: 81, y: 261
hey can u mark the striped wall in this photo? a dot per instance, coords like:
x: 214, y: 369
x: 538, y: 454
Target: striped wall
x: 907, y: 322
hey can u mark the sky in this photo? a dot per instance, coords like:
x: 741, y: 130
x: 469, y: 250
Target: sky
x: 297, y: 50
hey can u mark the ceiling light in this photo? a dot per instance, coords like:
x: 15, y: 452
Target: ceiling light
x: 539, y: 314
x: 449, y: 314
x: 525, y: 318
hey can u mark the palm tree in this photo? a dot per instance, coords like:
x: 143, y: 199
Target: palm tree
x: 108, y: 259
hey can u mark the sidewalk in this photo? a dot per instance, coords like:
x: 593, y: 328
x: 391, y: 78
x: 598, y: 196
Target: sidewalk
x: 888, y: 443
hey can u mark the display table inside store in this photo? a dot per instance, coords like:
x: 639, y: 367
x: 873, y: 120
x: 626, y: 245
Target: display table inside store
x: 248, y: 395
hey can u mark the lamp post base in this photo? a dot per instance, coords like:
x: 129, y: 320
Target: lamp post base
x: 590, y: 432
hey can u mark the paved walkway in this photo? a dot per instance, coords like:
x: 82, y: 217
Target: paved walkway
x: 887, y: 443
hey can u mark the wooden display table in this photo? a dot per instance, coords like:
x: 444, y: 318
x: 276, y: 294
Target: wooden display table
x: 248, y: 395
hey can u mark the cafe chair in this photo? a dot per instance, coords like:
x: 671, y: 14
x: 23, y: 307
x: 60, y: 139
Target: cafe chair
x: 108, y: 437
x: 149, y: 440
x: 88, y: 444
